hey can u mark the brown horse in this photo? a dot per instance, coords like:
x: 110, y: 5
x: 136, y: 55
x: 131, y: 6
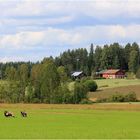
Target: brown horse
x: 24, y: 114
x: 8, y: 114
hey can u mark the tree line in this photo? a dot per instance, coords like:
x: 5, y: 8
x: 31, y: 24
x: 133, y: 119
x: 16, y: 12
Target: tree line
x: 39, y: 83
x: 113, y: 56
x: 48, y: 81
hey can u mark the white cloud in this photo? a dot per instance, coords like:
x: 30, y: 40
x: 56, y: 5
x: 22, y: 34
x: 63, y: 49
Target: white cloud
x: 21, y: 39
x: 23, y: 58
x: 31, y: 39
x: 32, y: 24
x: 95, y: 8
x: 10, y: 59
x: 76, y: 37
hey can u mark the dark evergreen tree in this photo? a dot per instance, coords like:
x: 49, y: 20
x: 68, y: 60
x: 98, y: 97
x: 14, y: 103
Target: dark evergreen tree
x: 91, y: 61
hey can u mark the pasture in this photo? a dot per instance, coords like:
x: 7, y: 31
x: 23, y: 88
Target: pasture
x: 109, y: 87
x: 113, y: 83
x: 106, y: 93
x: 104, y: 121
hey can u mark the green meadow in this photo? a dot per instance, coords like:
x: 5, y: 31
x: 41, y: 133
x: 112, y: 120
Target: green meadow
x: 112, y: 83
x: 68, y: 123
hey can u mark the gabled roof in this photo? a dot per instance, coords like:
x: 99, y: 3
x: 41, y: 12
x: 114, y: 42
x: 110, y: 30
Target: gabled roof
x: 101, y: 72
x: 112, y: 71
x: 76, y: 73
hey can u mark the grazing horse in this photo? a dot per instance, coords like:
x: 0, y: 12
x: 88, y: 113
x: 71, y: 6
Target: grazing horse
x: 8, y: 114
x: 24, y: 114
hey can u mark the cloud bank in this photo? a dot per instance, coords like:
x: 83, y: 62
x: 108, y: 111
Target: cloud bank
x: 33, y: 29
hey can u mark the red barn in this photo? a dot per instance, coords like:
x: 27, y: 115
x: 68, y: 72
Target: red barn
x: 113, y: 74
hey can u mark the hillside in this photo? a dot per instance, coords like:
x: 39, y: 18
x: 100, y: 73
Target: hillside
x: 105, y: 93
x: 111, y: 83
x: 108, y: 87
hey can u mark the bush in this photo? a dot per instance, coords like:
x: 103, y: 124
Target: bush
x: 138, y: 74
x: 131, y: 97
x: 102, y: 100
x: 79, y: 93
x: 91, y: 85
x: 117, y: 98
x: 64, y: 95
x: 86, y: 101
x: 35, y: 100
x: 130, y: 75
x: 84, y: 79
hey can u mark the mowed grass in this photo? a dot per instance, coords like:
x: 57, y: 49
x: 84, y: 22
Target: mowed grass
x: 71, y: 122
x: 111, y: 83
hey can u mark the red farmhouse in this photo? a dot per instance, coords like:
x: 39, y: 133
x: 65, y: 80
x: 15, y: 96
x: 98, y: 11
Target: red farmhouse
x: 113, y: 74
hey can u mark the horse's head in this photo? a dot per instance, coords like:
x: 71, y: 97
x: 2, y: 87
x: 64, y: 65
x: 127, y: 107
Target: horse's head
x: 5, y: 112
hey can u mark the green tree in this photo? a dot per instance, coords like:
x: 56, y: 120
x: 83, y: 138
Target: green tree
x: 106, y: 58
x: 138, y: 73
x: 24, y: 73
x: 50, y: 82
x: 98, y: 53
x: 29, y: 94
x: 11, y: 73
x: 91, y: 62
x: 116, y: 63
x: 127, y: 51
x: 80, y: 92
x: 133, y: 61
x: 62, y: 73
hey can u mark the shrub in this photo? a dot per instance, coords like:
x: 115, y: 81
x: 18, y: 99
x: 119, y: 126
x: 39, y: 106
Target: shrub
x: 80, y: 92
x: 117, y: 98
x: 84, y: 79
x: 131, y: 97
x: 35, y: 100
x: 86, y: 101
x: 64, y: 95
x: 102, y: 100
x: 138, y: 74
x: 130, y: 75
x: 91, y: 85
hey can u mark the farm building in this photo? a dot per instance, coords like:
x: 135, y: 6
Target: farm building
x: 100, y: 73
x: 78, y: 74
x: 113, y: 74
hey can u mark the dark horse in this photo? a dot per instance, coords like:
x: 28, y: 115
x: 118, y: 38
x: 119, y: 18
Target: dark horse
x: 24, y: 114
x: 8, y: 114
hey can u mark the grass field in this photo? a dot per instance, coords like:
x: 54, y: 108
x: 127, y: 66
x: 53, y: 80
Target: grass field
x: 106, y: 93
x: 112, y: 83
x: 104, y: 121
x: 109, y: 87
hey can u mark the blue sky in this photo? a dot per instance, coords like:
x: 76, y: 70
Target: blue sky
x: 34, y: 29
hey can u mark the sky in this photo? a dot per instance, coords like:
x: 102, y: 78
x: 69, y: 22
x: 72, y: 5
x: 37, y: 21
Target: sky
x: 33, y: 29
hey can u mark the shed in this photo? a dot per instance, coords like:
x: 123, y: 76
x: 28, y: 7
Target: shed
x: 78, y: 74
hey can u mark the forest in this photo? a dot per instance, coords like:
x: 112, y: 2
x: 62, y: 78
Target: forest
x: 47, y: 81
